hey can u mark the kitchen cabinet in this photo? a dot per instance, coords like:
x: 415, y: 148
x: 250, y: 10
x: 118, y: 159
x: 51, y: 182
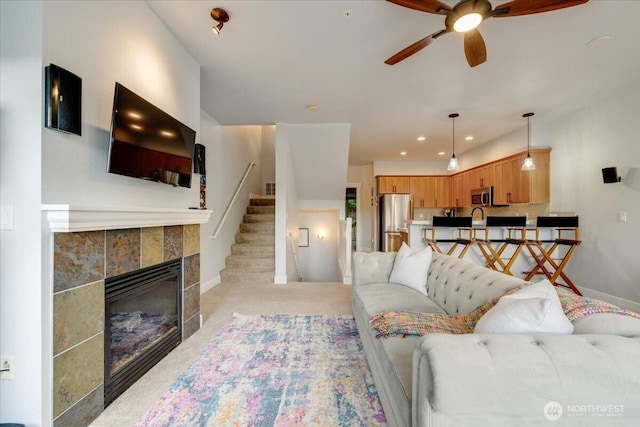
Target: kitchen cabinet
x: 423, y: 191
x: 442, y: 193
x: 393, y: 184
x: 513, y: 185
x: 481, y: 177
x: 460, y: 190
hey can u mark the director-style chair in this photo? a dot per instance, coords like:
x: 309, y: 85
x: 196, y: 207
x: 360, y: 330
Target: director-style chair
x: 495, y: 256
x: 549, y: 258
x: 463, y: 239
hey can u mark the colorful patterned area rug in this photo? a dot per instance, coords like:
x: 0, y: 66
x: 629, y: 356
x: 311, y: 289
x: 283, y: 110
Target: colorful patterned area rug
x: 276, y: 370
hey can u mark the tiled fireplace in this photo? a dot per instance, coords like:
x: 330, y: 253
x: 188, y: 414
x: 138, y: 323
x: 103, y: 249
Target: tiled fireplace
x: 82, y: 261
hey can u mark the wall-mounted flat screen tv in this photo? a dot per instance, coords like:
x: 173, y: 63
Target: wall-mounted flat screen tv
x: 148, y: 143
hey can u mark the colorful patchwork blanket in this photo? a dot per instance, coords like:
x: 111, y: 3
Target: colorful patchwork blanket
x: 404, y: 323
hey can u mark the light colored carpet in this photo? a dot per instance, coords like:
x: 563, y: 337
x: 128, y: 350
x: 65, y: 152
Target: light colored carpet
x: 217, y: 307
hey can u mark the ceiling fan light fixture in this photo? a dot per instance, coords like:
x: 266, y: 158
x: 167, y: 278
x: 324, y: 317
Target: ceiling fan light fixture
x: 528, y: 164
x: 467, y: 22
x: 453, y: 162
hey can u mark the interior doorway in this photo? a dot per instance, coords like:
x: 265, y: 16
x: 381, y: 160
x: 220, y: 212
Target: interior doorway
x: 351, y: 211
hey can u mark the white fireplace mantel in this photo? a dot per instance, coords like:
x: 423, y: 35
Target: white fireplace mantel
x: 71, y: 218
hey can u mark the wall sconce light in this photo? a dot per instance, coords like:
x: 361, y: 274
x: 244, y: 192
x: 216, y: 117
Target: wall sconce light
x: 221, y: 17
x: 321, y: 235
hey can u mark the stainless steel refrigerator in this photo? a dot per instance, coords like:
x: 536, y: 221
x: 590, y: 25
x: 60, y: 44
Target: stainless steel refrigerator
x: 394, y: 210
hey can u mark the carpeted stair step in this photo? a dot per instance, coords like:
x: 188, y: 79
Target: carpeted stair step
x: 254, y: 275
x: 262, y: 202
x: 271, y: 210
x: 260, y: 238
x: 250, y: 261
x: 258, y: 218
x: 258, y: 227
x: 253, y: 249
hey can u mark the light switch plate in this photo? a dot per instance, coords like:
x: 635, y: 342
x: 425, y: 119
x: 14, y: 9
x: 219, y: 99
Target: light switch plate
x: 622, y: 216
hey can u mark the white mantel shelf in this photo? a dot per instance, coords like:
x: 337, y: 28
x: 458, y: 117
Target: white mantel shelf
x: 70, y: 218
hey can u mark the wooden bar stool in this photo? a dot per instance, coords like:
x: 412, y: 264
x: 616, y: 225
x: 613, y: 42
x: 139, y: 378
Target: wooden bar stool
x: 547, y: 263
x: 515, y: 225
x: 463, y: 240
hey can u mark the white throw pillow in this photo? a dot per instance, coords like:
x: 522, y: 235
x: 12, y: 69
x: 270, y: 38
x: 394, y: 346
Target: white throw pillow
x: 410, y: 268
x: 533, y: 309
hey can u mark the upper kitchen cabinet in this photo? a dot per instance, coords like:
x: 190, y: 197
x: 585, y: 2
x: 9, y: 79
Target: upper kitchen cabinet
x: 423, y: 191
x: 393, y: 184
x: 442, y: 193
x: 460, y: 190
x: 513, y: 185
x: 481, y: 177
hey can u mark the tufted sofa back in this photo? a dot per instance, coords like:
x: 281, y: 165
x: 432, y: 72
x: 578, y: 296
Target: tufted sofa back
x: 372, y: 267
x: 459, y: 286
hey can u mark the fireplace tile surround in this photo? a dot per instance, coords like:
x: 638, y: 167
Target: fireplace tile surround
x: 81, y: 262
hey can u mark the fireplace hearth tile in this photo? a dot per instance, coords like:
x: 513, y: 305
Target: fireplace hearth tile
x: 123, y: 251
x: 191, y: 326
x: 191, y: 239
x: 191, y: 270
x: 152, y: 241
x: 173, y: 242
x: 78, y: 259
x: 77, y: 372
x: 84, y: 412
x: 191, y: 301
x: 77, y: 315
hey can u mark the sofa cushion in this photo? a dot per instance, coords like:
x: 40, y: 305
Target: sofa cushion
x: 410, y: 268
x: 533, y: 309
x: 382, y: 297
x: 608, y: 323
x: 374, y: 267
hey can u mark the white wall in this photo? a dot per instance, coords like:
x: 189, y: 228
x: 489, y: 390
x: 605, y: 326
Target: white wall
x: 268, y: 155
x: 104, y: 43
x: 411, y: 167
x: 286, y: 208
x: 230, y: 149
x: 22, y: 308
x: 319, y: 261
x: 363, y: 175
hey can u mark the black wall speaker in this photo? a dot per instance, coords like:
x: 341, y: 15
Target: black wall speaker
x: 199, y: 160
x: 62, y: 100
x: 610, y: 175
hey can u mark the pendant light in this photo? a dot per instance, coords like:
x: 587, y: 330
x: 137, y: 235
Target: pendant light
x: 453, y: 162
x: 528, y: 164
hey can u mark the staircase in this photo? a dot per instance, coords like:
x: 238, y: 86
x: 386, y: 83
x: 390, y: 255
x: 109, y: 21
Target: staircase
x: 252, y: 257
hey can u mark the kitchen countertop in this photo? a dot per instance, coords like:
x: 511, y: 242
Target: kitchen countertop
x: 475, y: 223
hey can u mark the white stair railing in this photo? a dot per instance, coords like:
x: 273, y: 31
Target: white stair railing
x: 344, y: 250
x: 232, y: 201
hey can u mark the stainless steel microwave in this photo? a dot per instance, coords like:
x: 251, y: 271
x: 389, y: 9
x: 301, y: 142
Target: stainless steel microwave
x: 482, y: 196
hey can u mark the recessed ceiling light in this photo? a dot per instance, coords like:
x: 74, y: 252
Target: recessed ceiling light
x: 347, y: 14
x: 403, y: 153
x: 312, y: 107
x: 421, y: 138
x: 468, y: 138
x: 441, y: 153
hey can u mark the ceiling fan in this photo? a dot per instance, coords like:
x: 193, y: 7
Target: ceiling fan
x: 466, y: 16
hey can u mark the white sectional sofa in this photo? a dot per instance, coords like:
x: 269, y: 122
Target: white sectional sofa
x: 590, y: 377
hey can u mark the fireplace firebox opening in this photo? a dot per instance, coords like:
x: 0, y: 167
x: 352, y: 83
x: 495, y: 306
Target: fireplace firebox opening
x: 143, y: 323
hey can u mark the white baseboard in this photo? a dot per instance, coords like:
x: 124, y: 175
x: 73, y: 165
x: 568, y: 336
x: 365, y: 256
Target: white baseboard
x: 209, y: 284
x: 280, y: 280
x: 611, y: 299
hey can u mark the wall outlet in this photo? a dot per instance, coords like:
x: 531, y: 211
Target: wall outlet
x: 6, y: 218
x: 622, y: 216
x: 7, y: 367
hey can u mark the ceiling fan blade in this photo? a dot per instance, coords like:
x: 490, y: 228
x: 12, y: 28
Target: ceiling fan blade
x: 414, y: 48
x: 528, y: 7
x: 474, y: 48
x: 431, y: 6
